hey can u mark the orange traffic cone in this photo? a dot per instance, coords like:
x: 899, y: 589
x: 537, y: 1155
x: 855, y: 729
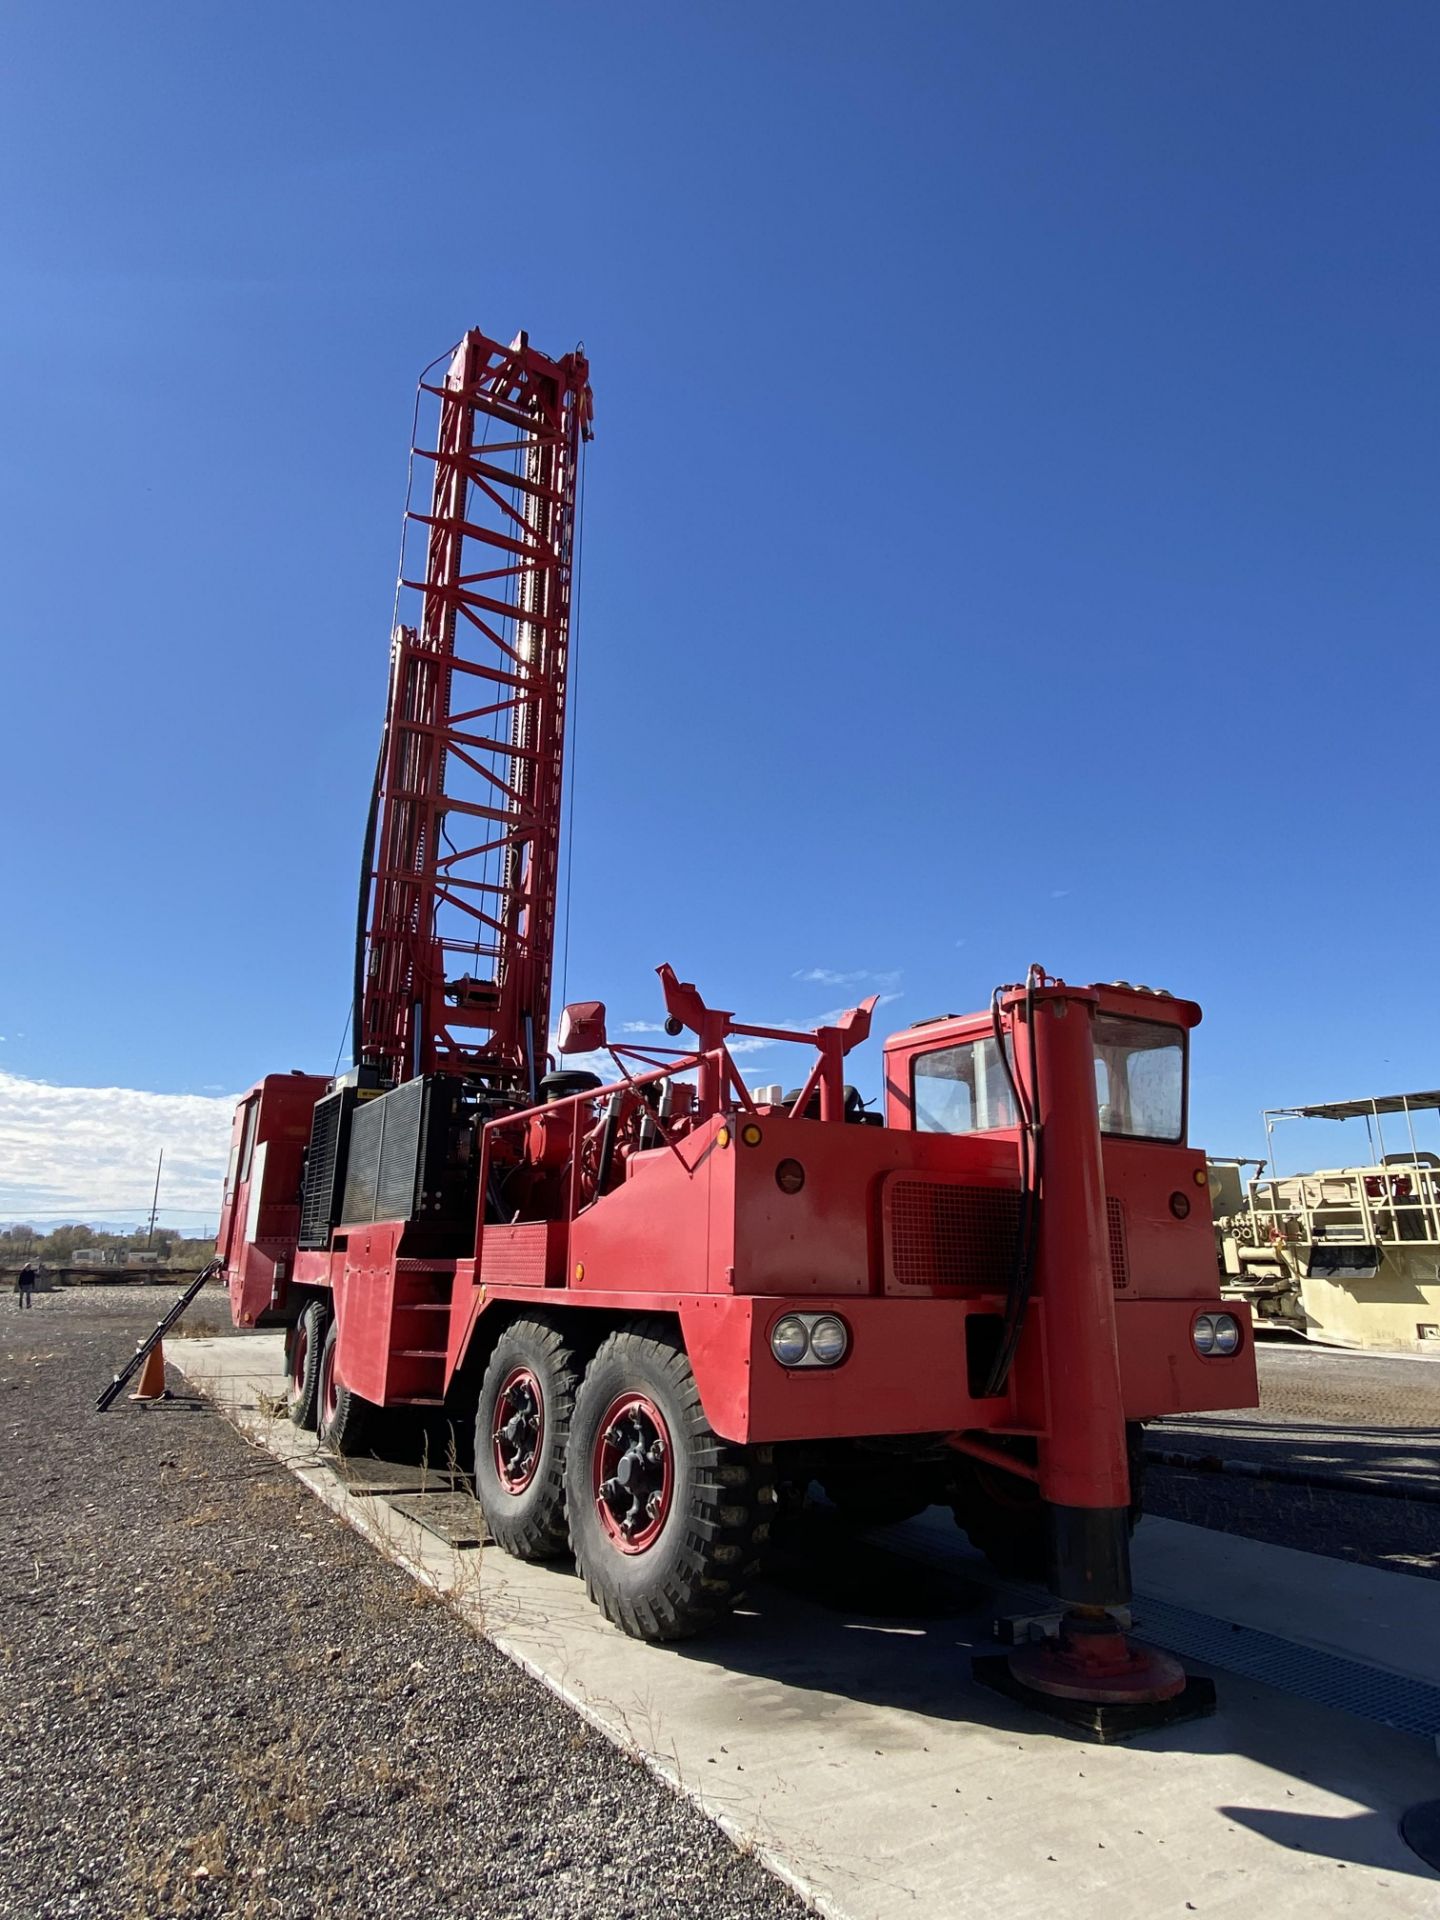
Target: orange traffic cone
x: 152, y: 1375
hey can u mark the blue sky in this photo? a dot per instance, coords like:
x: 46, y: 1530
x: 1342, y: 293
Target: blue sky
x: 1010, y: 529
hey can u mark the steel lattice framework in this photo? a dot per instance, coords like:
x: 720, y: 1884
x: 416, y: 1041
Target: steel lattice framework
x: 462, y: 856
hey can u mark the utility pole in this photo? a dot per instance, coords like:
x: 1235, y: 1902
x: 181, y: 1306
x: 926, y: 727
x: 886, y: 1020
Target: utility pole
x: 155, y: 1201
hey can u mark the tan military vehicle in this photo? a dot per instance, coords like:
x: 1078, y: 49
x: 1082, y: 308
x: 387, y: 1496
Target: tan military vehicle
x: 1349, y: 1255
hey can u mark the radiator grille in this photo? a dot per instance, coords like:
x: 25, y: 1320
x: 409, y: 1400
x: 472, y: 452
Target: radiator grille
x: 939, y: 1236
x: 324, y: 1167
x: 1119, y: 1250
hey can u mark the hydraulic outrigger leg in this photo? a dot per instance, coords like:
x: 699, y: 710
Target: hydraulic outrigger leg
x: 1091, y: 1673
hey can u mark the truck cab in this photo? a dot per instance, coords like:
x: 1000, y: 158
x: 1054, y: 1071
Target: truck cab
x: 946, y: 1076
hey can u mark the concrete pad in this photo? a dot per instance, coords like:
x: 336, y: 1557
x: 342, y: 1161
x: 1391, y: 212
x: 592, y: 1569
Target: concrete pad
x: 848, y: 1747
x: 1390, y: 1621
x: 1387, y: 1620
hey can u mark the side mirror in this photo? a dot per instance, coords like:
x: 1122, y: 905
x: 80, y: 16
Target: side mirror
x: 582, y: 1027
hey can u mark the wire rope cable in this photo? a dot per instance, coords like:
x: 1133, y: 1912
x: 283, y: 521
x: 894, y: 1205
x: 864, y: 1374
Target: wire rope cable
x: 572, y: 709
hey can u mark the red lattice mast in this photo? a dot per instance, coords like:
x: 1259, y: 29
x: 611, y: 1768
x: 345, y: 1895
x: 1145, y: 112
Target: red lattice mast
x: 463, y: 856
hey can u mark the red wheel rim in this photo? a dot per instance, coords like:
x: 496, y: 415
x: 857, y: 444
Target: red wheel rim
x: 517, y: 1430
x: 633, y: 1472
x: 299, y: 1352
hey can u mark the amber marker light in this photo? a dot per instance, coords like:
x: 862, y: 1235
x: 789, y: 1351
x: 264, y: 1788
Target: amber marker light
x: 751, y: 1134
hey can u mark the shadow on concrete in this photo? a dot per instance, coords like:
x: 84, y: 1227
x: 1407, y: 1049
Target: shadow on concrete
x: 1350, y: 1839
x: 898, y: 1633
x: 872, y: 1620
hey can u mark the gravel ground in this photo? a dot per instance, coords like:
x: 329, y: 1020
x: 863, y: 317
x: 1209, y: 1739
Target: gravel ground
x: 218, y: 1701
x: 1322, y: 1411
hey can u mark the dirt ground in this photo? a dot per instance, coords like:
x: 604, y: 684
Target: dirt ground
x: 218, y: 1701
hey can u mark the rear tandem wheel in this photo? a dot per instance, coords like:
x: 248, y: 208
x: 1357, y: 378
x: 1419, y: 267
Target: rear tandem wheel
x: 303, y: 1348
x: 344, y: 1420
x: 522, y: 1426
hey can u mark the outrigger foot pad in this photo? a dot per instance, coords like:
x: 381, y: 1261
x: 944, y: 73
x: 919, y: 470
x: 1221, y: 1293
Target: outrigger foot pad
x: 1102, y: 1721
x: 1092, y: 1675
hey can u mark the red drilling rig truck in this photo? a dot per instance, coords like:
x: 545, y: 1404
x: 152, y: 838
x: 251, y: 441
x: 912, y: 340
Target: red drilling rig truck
x: 663, y: 1298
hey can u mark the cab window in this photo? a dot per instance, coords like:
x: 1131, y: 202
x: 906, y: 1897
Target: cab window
x: 247, y: 1141
x: 1140, y: 1078
x: 961, y: 1090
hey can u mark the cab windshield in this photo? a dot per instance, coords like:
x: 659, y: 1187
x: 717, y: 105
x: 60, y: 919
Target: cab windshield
x: 1139, y: 1083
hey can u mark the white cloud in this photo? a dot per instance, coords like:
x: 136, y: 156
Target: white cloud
x: 860, y: 977
x: 92, y: 1150
x: 641, y: 1026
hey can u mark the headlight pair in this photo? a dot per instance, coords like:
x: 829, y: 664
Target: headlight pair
x: 1216, y: 1333
x: 810, y: 1340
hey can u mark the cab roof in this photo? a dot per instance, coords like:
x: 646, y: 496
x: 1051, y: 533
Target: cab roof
x: 1114, y: 996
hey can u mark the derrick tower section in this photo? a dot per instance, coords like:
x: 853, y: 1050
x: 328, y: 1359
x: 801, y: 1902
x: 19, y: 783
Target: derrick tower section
x: 456, y: 931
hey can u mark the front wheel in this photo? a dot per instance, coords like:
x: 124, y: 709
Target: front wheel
x: 667, y: 1520
x: 345, y: 1420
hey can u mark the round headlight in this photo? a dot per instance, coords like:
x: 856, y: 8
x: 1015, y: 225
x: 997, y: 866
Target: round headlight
x: 790, y: 1176
x: 789, y: 1341
x: 1227, y: 1333
x: 1180, y: 1205
x: 1203, y: 1334
x: 829, y: 1340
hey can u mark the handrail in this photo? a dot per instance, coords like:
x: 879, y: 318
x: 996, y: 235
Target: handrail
x: 1382, y: 1195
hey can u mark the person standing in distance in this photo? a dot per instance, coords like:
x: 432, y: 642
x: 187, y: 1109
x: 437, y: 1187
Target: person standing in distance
x: 25, y: 1285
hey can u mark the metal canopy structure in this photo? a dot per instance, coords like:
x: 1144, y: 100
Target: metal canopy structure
x: 1360, y: 1109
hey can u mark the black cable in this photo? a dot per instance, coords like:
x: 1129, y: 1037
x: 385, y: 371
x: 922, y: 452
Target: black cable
x: 367, y: 856
x: 367, y: 863
x: 343, y: 1032
x: 572, y: 711
x: 1027, y: 1228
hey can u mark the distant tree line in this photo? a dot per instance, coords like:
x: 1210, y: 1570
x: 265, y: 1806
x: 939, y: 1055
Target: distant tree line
x: 58, y: 1246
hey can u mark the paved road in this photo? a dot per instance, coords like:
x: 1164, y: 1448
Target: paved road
x: 1326, y: 1412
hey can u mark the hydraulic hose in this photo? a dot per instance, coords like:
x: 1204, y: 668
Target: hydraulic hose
x: 1027, y: 1227
x: 362, y: 909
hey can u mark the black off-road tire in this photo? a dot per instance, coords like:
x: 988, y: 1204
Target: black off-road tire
x: 717, y: 1519
x: 1009, y: 1522
x: 528, y: 1523
x: 304, y: 1345
x: 344, y: 1420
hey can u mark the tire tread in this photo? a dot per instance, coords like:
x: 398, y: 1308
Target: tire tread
x: 730, y: 1501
